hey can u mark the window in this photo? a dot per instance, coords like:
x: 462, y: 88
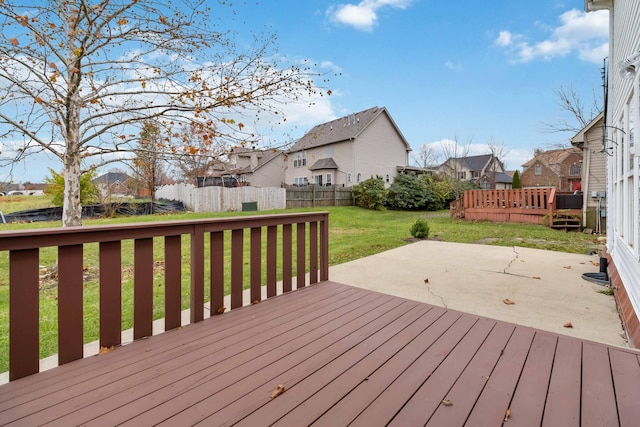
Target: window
x: 318, y: 180
x: 475, y: 174
x: 462, y: 175
x: 299, y: 159
x: 359, y: 177
x: 301, y: 181
x: 349, y: 178
x: 538, y: 170
x: 329, y: 179
x: 574, y: 170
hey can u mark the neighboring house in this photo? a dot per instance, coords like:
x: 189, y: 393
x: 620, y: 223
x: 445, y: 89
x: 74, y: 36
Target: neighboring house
x: 349, y: 150
x: 561, y: 168
x: 114, y: 184
x: 623, y: 163
x: 259, y: 168
x: 594, y: 174
x: 485, y: 170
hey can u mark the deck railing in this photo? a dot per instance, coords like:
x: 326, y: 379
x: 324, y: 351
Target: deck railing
x: 223, y: 235
x: 518, y: 205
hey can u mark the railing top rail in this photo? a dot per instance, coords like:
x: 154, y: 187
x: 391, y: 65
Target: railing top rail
x: 44, y: 237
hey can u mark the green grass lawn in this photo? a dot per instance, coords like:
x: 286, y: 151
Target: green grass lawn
x: 354, y: 233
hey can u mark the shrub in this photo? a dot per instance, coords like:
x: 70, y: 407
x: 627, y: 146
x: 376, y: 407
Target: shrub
x: 370, y: 194
x: 516, y: 180
x: 411, y: 192
x: 55, y: 187
x: 420, y: 229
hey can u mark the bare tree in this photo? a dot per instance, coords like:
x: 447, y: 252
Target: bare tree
x: 426, y: 156
x: 498, y: 152
x: 455, y: 153
x: 78, y: 79
x: 199, y: 152
x: 579, y: 115
x: 148, y: 165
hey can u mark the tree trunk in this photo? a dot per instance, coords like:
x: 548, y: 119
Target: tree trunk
x: 71, y: 207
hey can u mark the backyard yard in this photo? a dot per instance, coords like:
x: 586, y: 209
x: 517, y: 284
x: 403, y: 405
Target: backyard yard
x: 354, y: 233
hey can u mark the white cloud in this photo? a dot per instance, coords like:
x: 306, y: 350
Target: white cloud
x: 453, y: 66
x: 579, y: 32
x: 504, y: 39
x: 364, y: 15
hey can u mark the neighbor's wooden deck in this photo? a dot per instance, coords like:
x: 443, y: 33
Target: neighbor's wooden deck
x: 345, y: 355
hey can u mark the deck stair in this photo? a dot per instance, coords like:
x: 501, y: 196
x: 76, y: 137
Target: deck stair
x: 565, y: 222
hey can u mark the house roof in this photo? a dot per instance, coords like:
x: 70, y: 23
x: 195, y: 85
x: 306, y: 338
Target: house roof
x: 263, y: 157
x: 474, y: 163
x: 578, y: 138
x: 503, y: 177
x: 112, y: 177
x: 551, y: 157
x: 324, y: 164
x: 343, y: 129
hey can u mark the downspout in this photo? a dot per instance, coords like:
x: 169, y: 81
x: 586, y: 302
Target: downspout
x: 585, y: 185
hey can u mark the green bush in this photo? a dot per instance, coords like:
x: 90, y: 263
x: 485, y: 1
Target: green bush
x: 411, y: 192
x: 370, y: 194
x: 420, y: 229
x: 55, y: 187
x: 516, y: 180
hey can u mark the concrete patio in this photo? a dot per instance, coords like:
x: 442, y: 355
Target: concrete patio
x: 546, y: 287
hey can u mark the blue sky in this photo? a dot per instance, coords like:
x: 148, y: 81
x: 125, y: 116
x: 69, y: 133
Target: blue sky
x: 473, y: 71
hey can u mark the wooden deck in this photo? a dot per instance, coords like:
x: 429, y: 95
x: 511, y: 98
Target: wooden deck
x: 344, y: 356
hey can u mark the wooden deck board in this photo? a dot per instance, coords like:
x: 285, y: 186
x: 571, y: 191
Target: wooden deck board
x: 345, y: 356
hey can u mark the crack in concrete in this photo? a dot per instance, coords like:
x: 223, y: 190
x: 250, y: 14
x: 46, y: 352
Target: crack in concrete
x: 435, y: 295
x: 512, y: 261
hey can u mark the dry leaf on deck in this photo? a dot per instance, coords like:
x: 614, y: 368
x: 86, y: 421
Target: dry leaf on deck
x: 447, y: 402
x: 596, y: 263
x: 254, y: 302
x: 568, y: 325
x: 278, y: 391
x: 104, y: 350
x: 568, y: 267
x: 508, y: 301
x: 221, y: 310
x: 507, y: 415
x: 536, y: 277
x: 426, y: 280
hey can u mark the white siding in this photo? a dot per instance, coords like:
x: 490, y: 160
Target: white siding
x: 379, y: 150
x: 623, y: 227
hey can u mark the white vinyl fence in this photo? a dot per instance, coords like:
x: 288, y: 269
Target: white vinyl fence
x: 222, y: 199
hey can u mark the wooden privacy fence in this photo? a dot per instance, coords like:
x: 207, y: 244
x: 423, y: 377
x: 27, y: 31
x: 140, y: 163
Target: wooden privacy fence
x: 311, y: 196
x: 529, y: 205
x: 223, y: 199
x: 311, y: 254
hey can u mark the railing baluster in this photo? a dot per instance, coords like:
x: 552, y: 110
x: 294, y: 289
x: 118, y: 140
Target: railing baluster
x: 110, y: 294
x: 300, y: 255
x: 255, y: 264
x: 324, y: 248
x: 143, y: 288
x: 216, y: 273
x: 237, y: 253
x: 197, y: 274
x: 313, y: 252
x: 272, y: 260
x: 70, y: 303
x: 172, y: 282
x: 286, y: 257
x: 24, y: 339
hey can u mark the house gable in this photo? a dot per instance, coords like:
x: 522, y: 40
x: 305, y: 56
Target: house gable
x: 348, y: 150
